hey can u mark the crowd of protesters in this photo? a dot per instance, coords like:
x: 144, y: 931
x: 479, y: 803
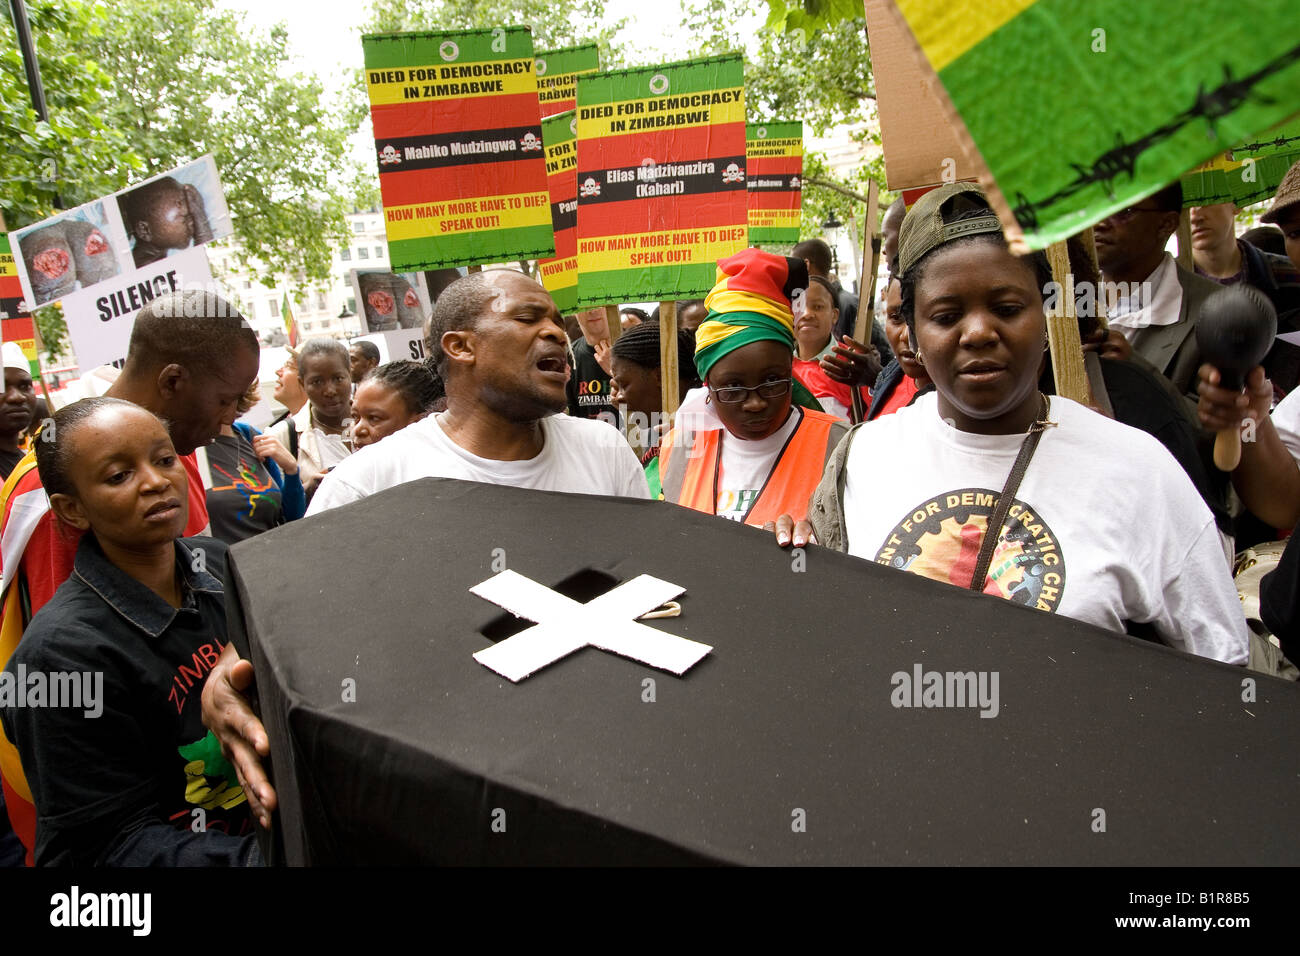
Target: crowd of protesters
x: 937, y: 447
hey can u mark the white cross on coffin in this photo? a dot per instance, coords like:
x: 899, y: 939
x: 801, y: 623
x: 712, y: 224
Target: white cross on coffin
x: 564, y: 626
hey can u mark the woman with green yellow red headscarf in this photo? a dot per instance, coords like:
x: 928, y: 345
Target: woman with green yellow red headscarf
x: 755, y: 446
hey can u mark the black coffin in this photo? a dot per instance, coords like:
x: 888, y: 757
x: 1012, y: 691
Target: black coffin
x: 783, y: 745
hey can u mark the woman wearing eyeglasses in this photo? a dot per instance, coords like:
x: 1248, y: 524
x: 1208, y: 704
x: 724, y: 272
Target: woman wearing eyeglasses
x: 755, y: 446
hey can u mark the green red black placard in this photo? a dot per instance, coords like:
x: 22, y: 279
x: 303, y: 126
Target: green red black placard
x: 560, y: 274
x: 661, y: 179
x: 16, y: 324
x: 774, y: 175
x: 557, y: 76
x: 458, y: 140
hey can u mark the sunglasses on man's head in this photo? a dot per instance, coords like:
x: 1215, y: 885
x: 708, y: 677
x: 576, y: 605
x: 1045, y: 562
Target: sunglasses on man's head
x: 1127, y: 215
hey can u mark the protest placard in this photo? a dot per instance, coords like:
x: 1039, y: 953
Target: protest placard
x: 388, y: 301
x: 774, y: 176
x: 557, y: 76
x: 458, y: 141
x: 1248, y: 173
x: 107, y: 259
x: 560, y: 274
x: 1140, y: 114
x: 661, y: 179
x: 16, y: 324
x: 393, y: 308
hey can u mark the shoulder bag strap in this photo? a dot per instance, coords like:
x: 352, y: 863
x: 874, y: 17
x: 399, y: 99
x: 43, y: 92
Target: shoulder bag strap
x: 994, y: 530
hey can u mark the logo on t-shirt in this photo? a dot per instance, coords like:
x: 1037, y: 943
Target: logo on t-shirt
x: 734, y: 503
x: 593, y: 397
x: 941, y: 539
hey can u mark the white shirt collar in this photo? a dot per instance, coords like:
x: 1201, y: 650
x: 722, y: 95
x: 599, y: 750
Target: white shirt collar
x: 1157, y: 300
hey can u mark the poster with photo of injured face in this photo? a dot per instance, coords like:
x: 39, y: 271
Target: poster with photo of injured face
x: 107, y: 259
x: 388, y: 301
x: 180, y: 209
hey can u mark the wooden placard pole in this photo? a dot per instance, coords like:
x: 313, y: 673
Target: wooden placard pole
x: 867, y: 283
x: 1063, y: 332
x: 870, y: 265
x: 1089, y: 242
x: 1185, y: 241
x: 669, y: 371
x: 614, y: 322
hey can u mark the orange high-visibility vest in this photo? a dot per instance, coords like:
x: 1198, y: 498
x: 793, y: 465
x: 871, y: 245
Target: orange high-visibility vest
x: 791, y: 482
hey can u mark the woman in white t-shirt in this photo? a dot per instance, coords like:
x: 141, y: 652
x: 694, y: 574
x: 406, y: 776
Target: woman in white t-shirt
x: 1102, y: 526
x: 752, y: 444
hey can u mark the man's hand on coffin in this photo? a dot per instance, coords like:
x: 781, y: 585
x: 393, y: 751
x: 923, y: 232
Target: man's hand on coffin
x: 788, y: 532
x: 241, y: 735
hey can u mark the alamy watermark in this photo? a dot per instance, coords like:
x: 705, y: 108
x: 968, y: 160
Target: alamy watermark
x: 76, y: 690
x: 75, y: 909
x: 927, y: 689
x: 1094, y: 299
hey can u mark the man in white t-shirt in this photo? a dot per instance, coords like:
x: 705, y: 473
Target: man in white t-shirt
x: 500, y: 347
x: 1286, y: 419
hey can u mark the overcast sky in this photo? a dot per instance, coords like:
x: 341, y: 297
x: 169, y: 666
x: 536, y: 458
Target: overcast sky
x: 325, y: 42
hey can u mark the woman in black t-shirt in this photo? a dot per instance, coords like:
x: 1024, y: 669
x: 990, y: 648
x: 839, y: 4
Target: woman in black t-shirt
x: 122, y: 771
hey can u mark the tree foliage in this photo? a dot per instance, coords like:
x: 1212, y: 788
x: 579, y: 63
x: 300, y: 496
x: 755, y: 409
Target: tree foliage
x: 800, y: 67
x: 78, y: 154
x: 554, y: 24
x: 157, y: 83
x: 52, y: 328
x: 811, y: 15
x: 821, y: 76
x: 191, y: 78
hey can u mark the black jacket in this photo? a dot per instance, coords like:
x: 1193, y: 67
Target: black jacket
x: 126, y: 774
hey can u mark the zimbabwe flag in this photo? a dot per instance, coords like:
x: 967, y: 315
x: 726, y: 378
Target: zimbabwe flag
x: 1081, y: 109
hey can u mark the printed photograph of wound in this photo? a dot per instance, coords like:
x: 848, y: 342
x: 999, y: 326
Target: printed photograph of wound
x: 390, y: 301
x: 71, y: 252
